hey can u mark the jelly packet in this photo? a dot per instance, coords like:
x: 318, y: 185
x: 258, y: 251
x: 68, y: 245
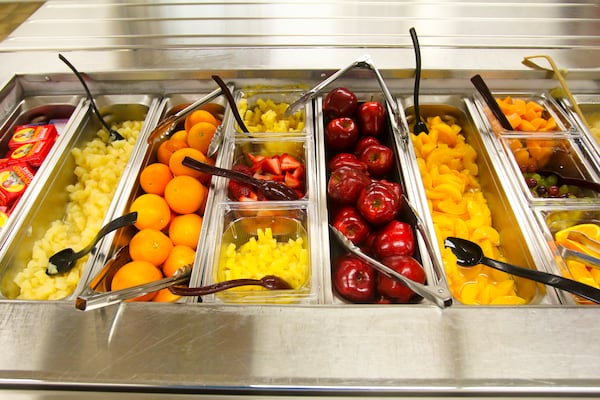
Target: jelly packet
x: 25, y: 134
x: 14, y: 180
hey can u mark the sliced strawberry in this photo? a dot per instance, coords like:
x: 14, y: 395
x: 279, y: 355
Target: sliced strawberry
x: 299, y: 173
x: 243, y: 168
x: 272, y: 165
x: 257, y: 167
x: 289, y: 162
x: 254, y: 158
x: 268, y: 177
x: 291, y: 181
x: 237, y: 190
x: 244, y: 198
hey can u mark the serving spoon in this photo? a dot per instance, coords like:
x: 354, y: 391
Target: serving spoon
x: 565, y: 180
x: 469, y: 254
x: 272, y: 190
x: 489, y: 99
x: 64, y: 260
x: 420, y: 126
x: 114, y: 135
x: 270, y: 282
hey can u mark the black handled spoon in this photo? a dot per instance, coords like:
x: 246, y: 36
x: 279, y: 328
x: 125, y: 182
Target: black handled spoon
x: 65, y: 259
x: 270, y: 282
x: 489, y: 99
x: 565, y: 180
x: 272, y: 190
x: 114, y: 135
x: 420, y: 126
x: 470, y: 254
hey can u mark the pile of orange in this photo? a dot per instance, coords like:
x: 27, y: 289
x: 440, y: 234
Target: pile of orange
x: 171, y: 209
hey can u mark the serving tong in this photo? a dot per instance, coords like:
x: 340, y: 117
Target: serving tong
x: 592, y: 246
x: 438, y: 294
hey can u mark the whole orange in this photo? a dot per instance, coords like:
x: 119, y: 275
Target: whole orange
x: 153, y: 211
x: 167, y: 148
x: 155, y: 177
x: 185, y: 194
x: 136, y: 273
x: 199, y: 116
x: 150, y: 245
x: 180, y: 256
x: 200, y: 135
x: 177, y: 167
x: 165, y: 296
x: 179, y: 135
x: 185, y: 230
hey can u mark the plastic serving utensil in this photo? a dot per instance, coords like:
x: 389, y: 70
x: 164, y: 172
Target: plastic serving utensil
x: 420, y: 126
x: 564, y: 180
x: 272, y: 190
x: 470, y: 254
x: 114, y: 135
x: 65, y: 259
x: 485, y: 92
x: 270, y: 282
x: 439, y: 296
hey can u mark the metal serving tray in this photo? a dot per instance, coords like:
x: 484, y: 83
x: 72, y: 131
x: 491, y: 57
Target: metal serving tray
x: 51, y: 196
x: 508, y: 217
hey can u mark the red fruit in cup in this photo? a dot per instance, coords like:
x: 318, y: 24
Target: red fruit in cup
x: 341, y: 133
x: 394, y: 289
x: 371, y: 118
x: 379, y: 159
x: 396, y: 238
x: 349, y: 222
x: 340, y: 102
x: 378, y: 203
x: 346, y: 183
x: 354, y: 279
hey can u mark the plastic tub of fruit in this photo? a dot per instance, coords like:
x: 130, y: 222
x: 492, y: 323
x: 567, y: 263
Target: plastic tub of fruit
x: 566, y: 232
x: 27, y: 137
x: 529, y: 113
x: 263, y: 111
x: 170, y: 199
x: 257, y: 239
x: 362, y: 193
x: 287, y: 160
x: 75, y: 197
x: 547, y: 168
x: 468, y: 197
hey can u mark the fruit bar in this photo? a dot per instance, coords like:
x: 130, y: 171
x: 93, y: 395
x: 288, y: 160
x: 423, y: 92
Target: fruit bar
x: 73, y: 202
x: 560, y: 229
x: 364, y: 188
x: 466, y: 199
x: 170, y: 200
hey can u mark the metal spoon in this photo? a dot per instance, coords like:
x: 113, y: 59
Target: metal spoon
x: 272, y: 190
x: 564, y: 180
x: 469, y: 254
x: 270, y: 282
x: 420, y: 126
x: 114, y: 135
x: 65, y: 259
x: 485, y: 92
x: 439, y: 296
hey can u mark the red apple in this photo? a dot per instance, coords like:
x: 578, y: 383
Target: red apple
x: 378, y: 203
x: 349, y: 222
x: 341, y: 133
x: 371, y: 118
x: 346, y: 183
x: 363, y: 142
x: 396, y: 238
x: 345, y: 159
x: 379, y: 159
x: 340, y: 102
x: 394, y: 289
x: 354, y: 279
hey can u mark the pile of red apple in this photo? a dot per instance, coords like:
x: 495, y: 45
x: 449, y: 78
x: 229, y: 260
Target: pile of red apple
x: 364, y: 204
x: 284, y: 168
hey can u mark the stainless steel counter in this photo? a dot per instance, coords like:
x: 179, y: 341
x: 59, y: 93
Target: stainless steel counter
x: 51, y: 350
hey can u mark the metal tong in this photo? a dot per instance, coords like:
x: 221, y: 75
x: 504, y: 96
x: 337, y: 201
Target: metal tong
x: 364, y: 62
x: 439, y: 295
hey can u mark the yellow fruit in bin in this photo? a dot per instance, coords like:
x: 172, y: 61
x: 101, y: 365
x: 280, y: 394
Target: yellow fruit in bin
x: 589, y: 229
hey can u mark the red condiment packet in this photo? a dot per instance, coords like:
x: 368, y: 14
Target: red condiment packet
x: 33, y: 153
x: 25, y: 134
x: 14, y: 180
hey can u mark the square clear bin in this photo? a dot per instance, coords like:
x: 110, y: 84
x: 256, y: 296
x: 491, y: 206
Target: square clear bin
x: 262, y: 110
x: 113, y: 250
x: 556, y: 225
x: 255, y: 240
x: 332, y: 248
x: 240, y: 151
x: 60, y: 111
x: 537, y: 161
x: 529, y: 113
x: 76, y: 197
x: 468, y: 197
x: 590, y: 108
